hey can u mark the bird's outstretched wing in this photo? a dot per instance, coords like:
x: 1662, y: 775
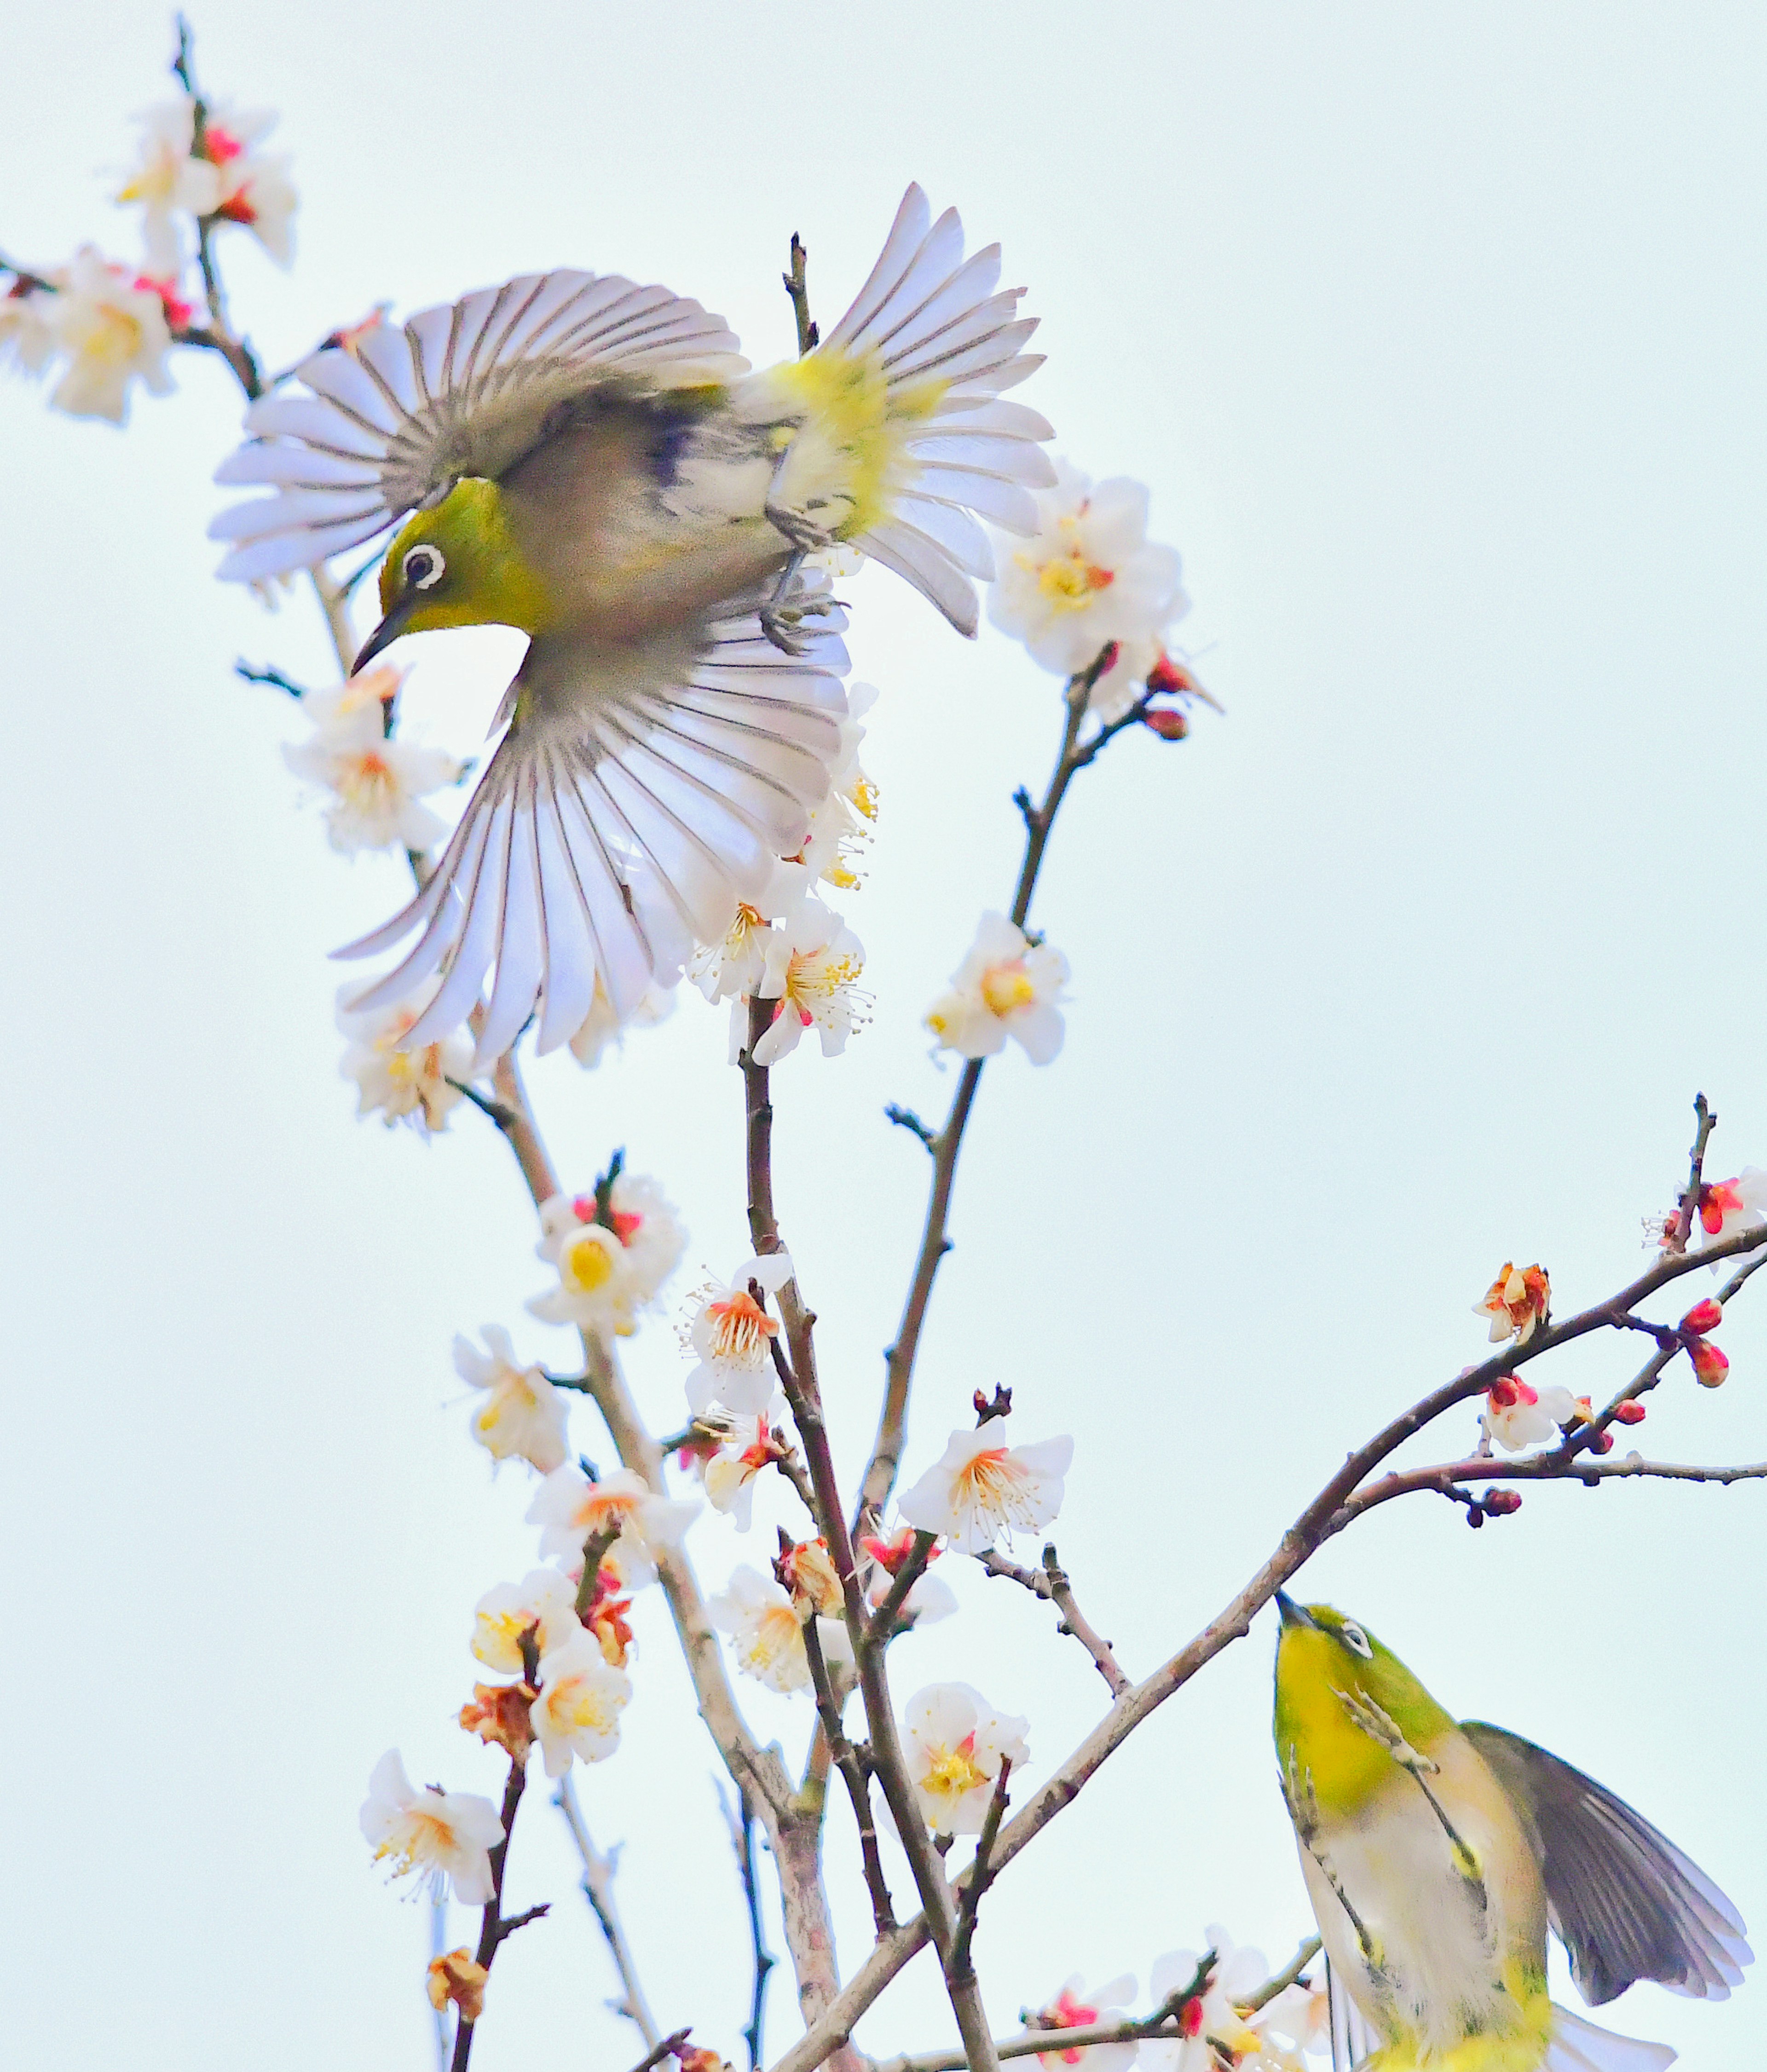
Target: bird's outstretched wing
x: 397, y: 417
x: 640, y: 792
x: 1625, y: 1901
x: 948, y: 345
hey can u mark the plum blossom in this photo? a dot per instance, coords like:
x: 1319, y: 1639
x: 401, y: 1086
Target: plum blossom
x: 1517, y: 1302
x: 111, y: 324
x: 954, y: 1743
x: 375, y: 779
x: 582, y: 1695
x: 980, y: 1487
x: 255, y: 189
x: 523, y: 1416
x: 544, y: 1600
x: 807, y: 1571
x: 1216, y: 2029
x: 1729, y: 1206
x: 843, y: 824
x: 813, y: 964
x: 929, y: 1600
x: 748, y: 1446
x: 208, y: 170
x: 733, y: 1336
x: 1089, y: 576
x: 766, y: 1634
x: 602, y: 1027
x: 450, y: 1831
x: 27, y: 330
x: 1075, y: 2007
x: 1516, y: 1414
x: 569, y: 1507
x: 1138, y: 666
x: 1006, y: 985
x: 457, y: 1976
x: 395, y: 1084
x: 613, y: 1247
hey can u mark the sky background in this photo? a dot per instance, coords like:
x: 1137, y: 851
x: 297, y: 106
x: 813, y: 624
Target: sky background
x: 1437, y: 335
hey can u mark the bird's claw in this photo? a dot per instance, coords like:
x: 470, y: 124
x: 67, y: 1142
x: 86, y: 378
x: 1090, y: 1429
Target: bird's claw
x: 1381, y: 1726
x: 782, y: 625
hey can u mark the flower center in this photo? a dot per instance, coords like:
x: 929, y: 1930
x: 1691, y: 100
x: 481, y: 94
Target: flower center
x: 584, y: 1264
x: 1069, y: 581
x: 741, y: 1330
x: 1005, y: 987
x: 951, y: 1772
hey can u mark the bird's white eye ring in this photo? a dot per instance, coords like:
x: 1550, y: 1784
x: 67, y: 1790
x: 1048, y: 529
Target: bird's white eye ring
x: 423, y: 568
x: 1356, y: 1641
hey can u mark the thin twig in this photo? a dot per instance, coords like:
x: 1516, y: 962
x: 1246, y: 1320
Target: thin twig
x: 668, y: 2048
x: 1706, y: 1120
x: 808, y: 336
x: 1289, y: 1975
x: 853, y: 1774
x: 881, y: 1629
x: 598, y: 1881
x: 740, y: 1819
x: 981, y: 1870
x: 1072, y: 1621
x: 494, y: 1928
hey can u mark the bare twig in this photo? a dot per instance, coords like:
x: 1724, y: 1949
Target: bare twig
x: 668, y: 2048
x: 740, y: 1819
x: 808, y: 336
x: 906, y: 1118
x: 1289, y: 1975
x: 593, y: 1549
x: 1706, y: 1120
x: 598, y: 1881
x: 1098, y: 1648
x: 494, y: 1929
x: 981, y: 1871
x: 881, y: 1629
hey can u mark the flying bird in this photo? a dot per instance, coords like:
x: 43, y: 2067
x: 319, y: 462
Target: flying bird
x: 1437, y: 1855
x: 594, y: 463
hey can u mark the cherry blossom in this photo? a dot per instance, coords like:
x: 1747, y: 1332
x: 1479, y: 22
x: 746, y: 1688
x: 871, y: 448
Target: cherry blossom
x: 1516, y: 1414
x: 27, y: 331
x: 981, y: 1487
x: 450, y: 1831
x: 523, y: 1416
x: 421, y: 1086
x: 954, y: 1743
x: 929, y: 1599
x: 377, y: 781
x: 766, y: 1634
x: 842, y: 826
x: 733, y: 1336
x: 569, y: 1507
x: 582, y: 1695
x: 1006, y: 985
x: 169, y: 182
x: 613, y: 1248
x: 1089, y: 576
x: 544, y: 1601
x: 1076, y: 2007
x: 1517, y: 1302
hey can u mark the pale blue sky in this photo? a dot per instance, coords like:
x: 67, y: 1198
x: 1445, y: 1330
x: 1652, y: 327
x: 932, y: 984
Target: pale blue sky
x: 1437, y: 334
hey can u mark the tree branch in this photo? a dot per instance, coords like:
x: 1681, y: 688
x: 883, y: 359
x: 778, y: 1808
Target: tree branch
x: 494, y: 1929
x: 1052, y: 1584
x: 598, y: 1880
x: 740, y: 1819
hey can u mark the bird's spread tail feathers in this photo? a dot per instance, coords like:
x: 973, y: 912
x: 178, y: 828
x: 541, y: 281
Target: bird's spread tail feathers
x: 1579, y: 2046
x: 949, y: 450
x: 633, y: 801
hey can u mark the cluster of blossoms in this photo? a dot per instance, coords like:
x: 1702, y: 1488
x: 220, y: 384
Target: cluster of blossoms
x: 108, y: 324
x: 790, y: 947
x: 1219, y: 2029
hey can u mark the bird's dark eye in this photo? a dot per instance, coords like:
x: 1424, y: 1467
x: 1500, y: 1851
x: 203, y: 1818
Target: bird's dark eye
x: 1356, y: 1641
x: 423, y: 568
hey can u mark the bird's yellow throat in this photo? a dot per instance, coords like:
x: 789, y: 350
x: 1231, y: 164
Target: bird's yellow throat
x: 1314, y: 1732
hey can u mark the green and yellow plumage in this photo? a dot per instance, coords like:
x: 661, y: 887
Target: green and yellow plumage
x: 1438, y: 1853
x: 592, y: 463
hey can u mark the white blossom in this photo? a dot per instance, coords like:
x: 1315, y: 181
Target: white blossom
x: 450, y: 1831
x: 169, y: 182
x: 111, y: 324
x: 1077, y: 2006
x: 571, y: 1508
x: 1005, y: 986
x: 814, y: 962
x: 1729, y: 1206
x: 981, y: 1487
x: 255, y: 190
x: 397, y: 1082
x: 733, y: 1336
x: 840, y: 828
x: 954, y: 1743
x: 545, y: 1599
x: 376, y: 780
x: 1089, y: 576
x: 611, y: 1257
x: 766, y: 1637
x: 28, y: 327
x: 749, y: 1445
x: 1516, y: 1414
x: 523, y: 1416
x: 602, y: 1026
x: 1215, y: 2027
x: 582, y: 1695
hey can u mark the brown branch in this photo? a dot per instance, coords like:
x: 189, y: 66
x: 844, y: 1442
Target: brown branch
x: 593, y: 1549
x: 980, y: 1871
x: 1706, y: 1120
x: 882, y: 1629
x: 494, y: 1929
x: 1289, y: 1975
x: 740, y: 1818
x: 598, y: 1878
x: 1098, y: 1648
x: 808, y: 336
x: 851, y: 1766
x: 880, y: 1473
x: 668, y: 2048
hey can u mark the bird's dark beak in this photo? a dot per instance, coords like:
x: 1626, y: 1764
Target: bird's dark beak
x: 1293, y: 1614
x: 384, y: 635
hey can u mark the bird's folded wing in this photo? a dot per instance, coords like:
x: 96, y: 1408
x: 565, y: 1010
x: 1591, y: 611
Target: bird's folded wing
x: 1625, y: 1901
x: 948, y: 345
x: 639, y: 794
x: 397, y: 416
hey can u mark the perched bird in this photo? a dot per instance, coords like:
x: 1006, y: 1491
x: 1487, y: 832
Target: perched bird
x: 1437, y: 1855
x: 593, y: 463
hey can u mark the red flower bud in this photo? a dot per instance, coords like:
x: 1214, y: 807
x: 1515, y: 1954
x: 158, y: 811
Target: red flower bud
x: 1502, y: 1502
x: 1167, y: 676
x: 1629, y: 1413
x: 1602, y: 1443
x: 1169, y: 725
x: 1710, y: 1366
x: 1705, y: 1315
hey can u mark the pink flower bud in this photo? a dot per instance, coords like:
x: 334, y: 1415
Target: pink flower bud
x: 1500, y: 1502
x: 1710, y: 1366
x: 1167, y: 676
x: 1168, y: 724
x: 1629, y: 1413
x: 1602, y: 1443
x: 1705, y: 1315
